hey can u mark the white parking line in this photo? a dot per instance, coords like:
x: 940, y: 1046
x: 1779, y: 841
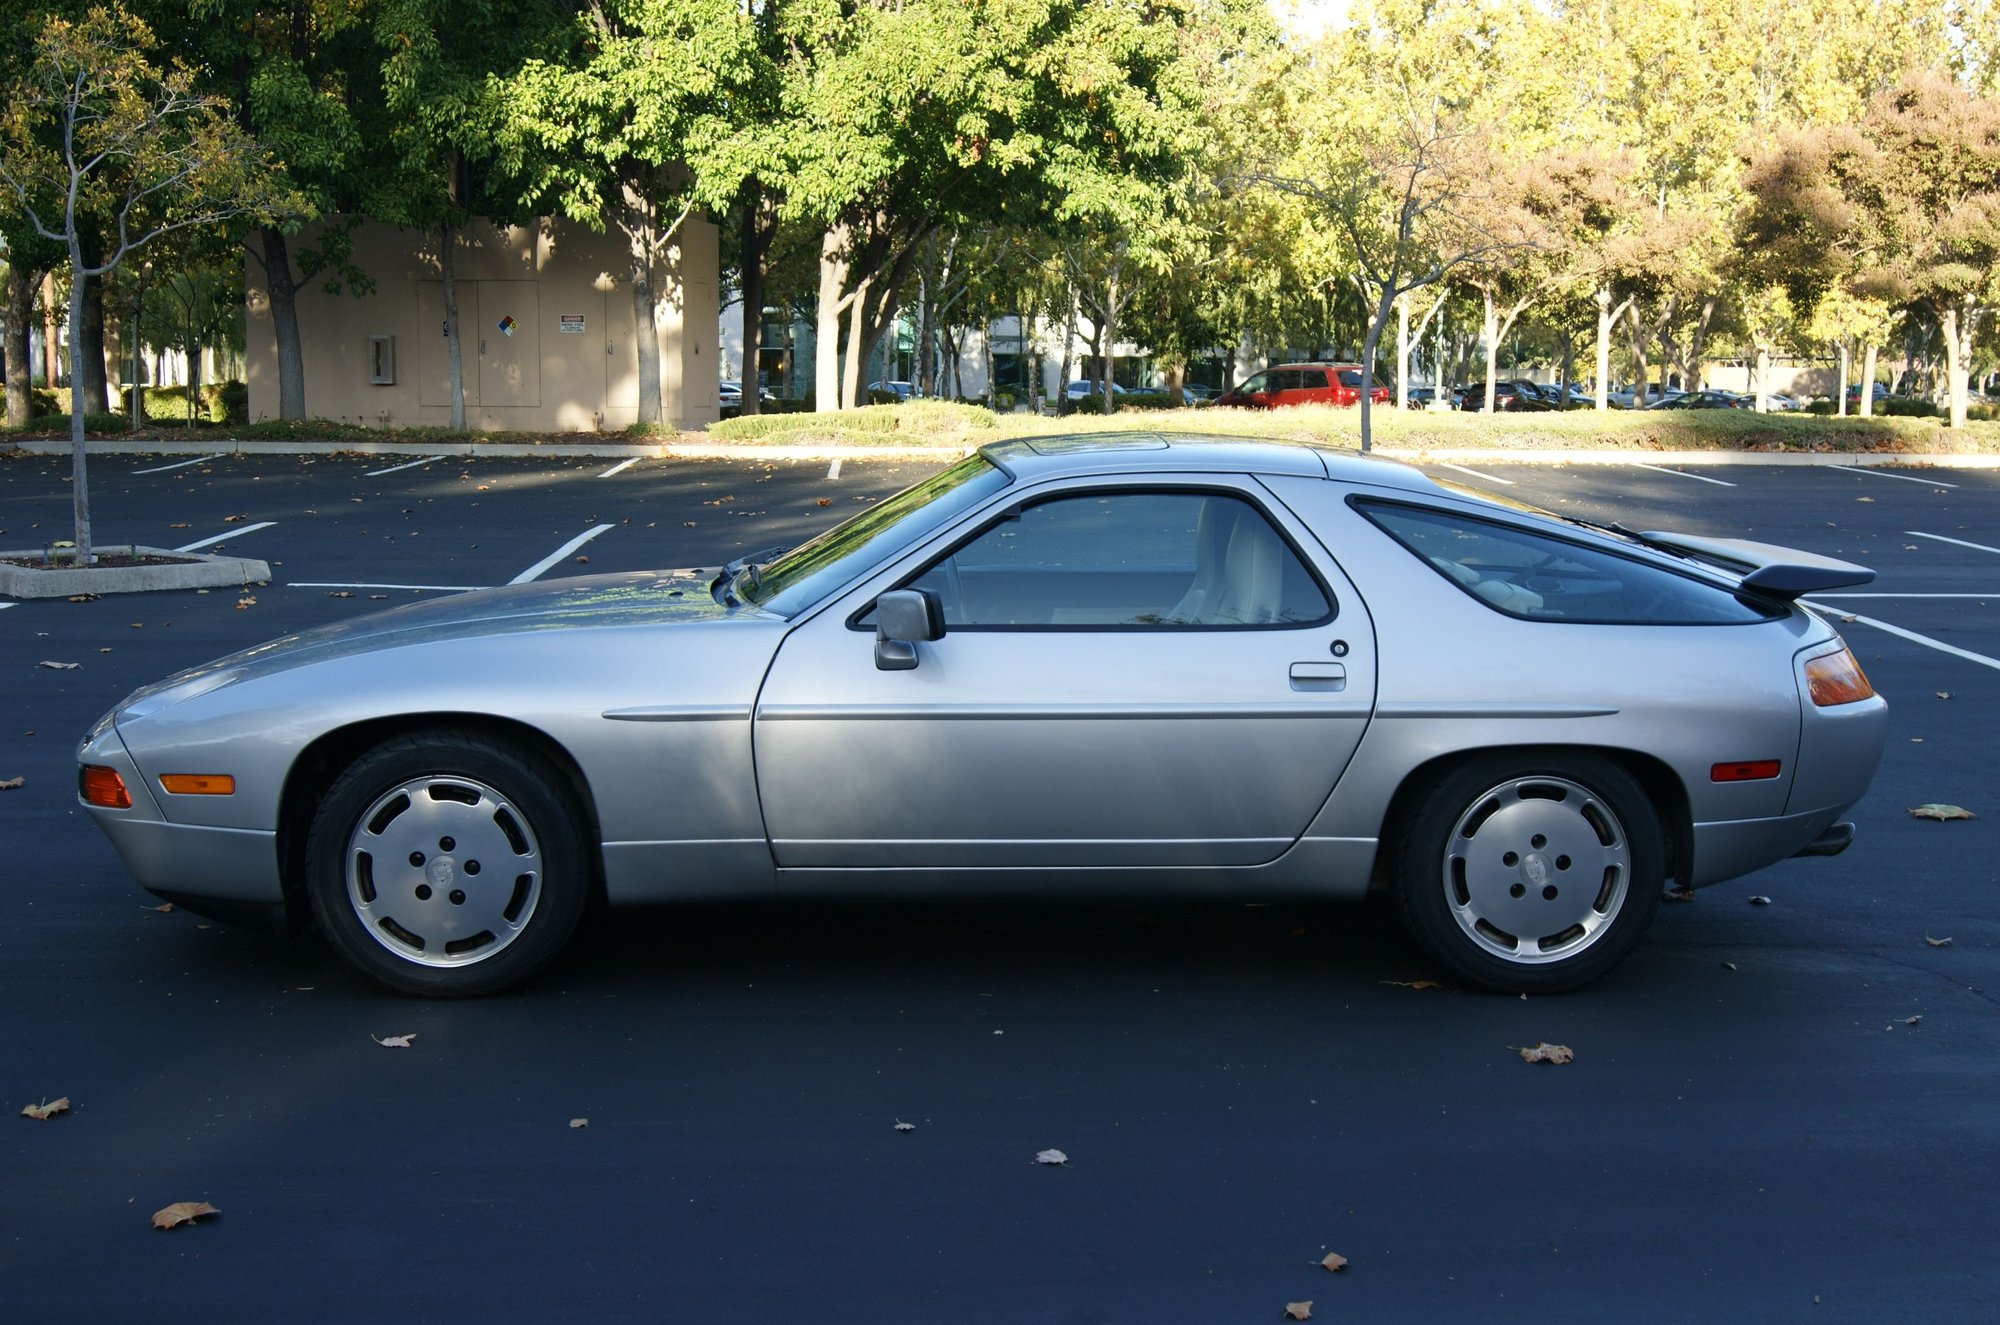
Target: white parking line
x: 1699, y: 478
x: 345, y: 584
x: 833, y: 470
x: 178, y: 464
x: 1490, y: 478
x: 1955, y: 542
x: 534, y: 572
x: 620, y: 467
x: 233, y: 533
x: 1907, y: 478
x: 1915, y: 638
x: 5, y: 606
x: 428, y: 460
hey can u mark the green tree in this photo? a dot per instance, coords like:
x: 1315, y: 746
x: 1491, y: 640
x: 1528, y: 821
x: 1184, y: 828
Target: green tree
x: 128, y: 144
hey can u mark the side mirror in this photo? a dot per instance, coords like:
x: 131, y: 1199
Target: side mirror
x: 903, y: 618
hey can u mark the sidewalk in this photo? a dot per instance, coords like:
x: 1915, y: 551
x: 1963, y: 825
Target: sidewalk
x: 1492, y: 455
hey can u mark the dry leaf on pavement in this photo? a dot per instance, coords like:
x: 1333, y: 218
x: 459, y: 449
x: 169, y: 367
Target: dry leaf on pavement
x: 247, y: 600
x: 1930, y: 942
x: 902, y: 1126
x: 46, y: 1110
x: 182, y: 1212
x: 1913, y: 1021
x: 1548, y: 1053
x: 1334, y: 1261
x: 1760, y: 900
x: 1680, y: 894
x: 1299, y: 1310
x: 396, y: 1041
x: 1942, y: 812
x: 1051, y: 1157
x: 59, y: 666
x: 12, y: 784
x: 576, y: 1123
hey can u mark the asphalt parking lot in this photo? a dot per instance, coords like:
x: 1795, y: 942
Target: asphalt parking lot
x: 1778, y: 1112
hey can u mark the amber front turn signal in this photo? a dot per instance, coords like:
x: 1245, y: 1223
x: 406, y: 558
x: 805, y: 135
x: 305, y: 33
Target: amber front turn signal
x: 198, y: 784
x: 1836, y: 678
x: 99, y: 785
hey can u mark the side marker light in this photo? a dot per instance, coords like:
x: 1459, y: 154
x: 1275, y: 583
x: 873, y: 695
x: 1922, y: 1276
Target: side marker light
x: 1749, y: 770
x: 198, y: 784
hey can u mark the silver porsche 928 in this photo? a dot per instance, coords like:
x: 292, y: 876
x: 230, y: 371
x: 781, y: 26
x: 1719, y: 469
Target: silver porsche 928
x: 1091, y: 663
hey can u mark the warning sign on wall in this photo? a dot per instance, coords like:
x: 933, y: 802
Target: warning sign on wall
x: 570, y: 323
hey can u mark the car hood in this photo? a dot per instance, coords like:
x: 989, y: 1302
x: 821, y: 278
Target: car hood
x: 595, y: 602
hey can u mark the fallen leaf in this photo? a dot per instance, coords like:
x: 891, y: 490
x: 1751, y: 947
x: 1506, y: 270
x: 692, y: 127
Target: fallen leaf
x: 1864, y: 499
x: 1944, y: 694
x: 576, y: 1123
x: 1680, y: 894
x: 12, y: 784
x: 182, y: 1212
x: 1729, y: 966
x: 1760, y: 901
x: 138, y: 625
x: 1548, y: 1053
x: 378, y: 595
x: 1299, y: 1310
x: 1942, y: 812
x: 902, y: 1126
x: 234, y: 519
x: 826, y: 501
x: 46, y: 1110
x: 180, y: 524
x: 59, y: 666
x: 583, y: 561
x: 1937, y: 943
x: 104, y: 650
x: 341, y: 593
x: 1334, y: 1261
x: 246, y: 600
x: 396, y: 1041
x: 163, y: 908
x: 1414, y: 984
x: 1913, y: 1021
x: 1051, y: 1157
x: 83, y: 598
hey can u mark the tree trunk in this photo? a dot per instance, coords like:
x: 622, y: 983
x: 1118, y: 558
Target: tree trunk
x: 51, y: 337
x: 826, y: 338
x: 1957, y: 324
x: 1868, y: 381
x: 858, y: 346
x: 755, y: 239
x: 1840, y: 395
x: 1568, y: 365
x: 639, y: 240
x: 96, y: 388
x: 283, y: 289
x: 136, y: 396
x: 1376, y: 323
x: 1490, y: 333
x: 20, y: 308
x: 1403, y: 352
x: 1109, y: 332
x: 79, y: 487
x: 454, y: 356
x: 1763, y: 379
x: 1075, y: 302
x: 986, y: 348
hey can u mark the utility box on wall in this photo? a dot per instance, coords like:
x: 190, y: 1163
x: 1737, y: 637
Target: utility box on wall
x: 382, y: 360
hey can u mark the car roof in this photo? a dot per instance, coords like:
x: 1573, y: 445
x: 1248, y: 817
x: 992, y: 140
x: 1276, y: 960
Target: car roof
x: 1032, y: 458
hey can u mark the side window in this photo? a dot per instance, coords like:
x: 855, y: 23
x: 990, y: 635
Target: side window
x: 1292, y: 379
x: 1147, y: 559
x: 1350, y: 377
x: 1258, y: 382
x: 1544, y: 578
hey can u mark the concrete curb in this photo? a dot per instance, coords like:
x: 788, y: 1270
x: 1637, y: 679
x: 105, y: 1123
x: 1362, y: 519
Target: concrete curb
x: 199, y: 571
x: 1492, y: 455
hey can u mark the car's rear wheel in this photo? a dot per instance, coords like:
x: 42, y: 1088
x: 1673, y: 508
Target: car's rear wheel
x: 1530, y: 874
x: 448, y: 864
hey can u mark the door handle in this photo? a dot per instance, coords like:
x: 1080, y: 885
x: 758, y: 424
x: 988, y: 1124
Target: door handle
x: 1319, y: 676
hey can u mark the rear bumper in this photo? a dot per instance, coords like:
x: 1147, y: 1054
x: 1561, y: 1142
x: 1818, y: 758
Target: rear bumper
x: 1732, y: 848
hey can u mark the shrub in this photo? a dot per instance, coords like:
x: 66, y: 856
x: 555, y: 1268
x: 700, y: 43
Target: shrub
x: 59, y: 423
x: 1908, y: 407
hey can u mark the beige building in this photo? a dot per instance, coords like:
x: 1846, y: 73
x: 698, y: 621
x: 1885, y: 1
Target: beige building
x: 546, y: 326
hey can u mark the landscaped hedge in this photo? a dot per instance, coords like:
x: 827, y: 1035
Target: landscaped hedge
x: 915, y: 421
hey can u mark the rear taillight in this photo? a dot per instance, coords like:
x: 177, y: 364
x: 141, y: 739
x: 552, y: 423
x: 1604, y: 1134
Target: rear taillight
x: 102, y: 786
x: 1836, y: 678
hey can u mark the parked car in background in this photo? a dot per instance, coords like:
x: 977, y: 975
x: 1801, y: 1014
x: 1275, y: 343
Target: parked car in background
x: 1303, y: 384
x: 1517, y: 725
x: 1703, y: 400
x: 1200, y: 392
x: 1639, y: 397
x: 1421, y: 397
x: 1518, y: 395
x: 902, y: 391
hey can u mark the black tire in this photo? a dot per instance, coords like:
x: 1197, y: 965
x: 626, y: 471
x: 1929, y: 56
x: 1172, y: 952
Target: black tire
x: 448, y: 864
x: 1530, y: 873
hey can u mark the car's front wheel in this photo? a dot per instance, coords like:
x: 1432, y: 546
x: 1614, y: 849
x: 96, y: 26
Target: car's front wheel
x: 448, y: 864
x: 1530, y: 874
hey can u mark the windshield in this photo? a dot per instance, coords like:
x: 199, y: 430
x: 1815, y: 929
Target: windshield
x: 816, y: 568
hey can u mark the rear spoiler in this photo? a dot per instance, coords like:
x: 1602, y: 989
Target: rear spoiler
x: 1781, y: 572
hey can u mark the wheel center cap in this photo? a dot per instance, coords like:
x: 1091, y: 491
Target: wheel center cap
x: 441, y: 870
x: 1536, y: 868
